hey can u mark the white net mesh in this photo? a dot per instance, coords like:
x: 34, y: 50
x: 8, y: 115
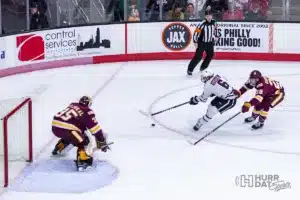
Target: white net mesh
x: 17, y: 135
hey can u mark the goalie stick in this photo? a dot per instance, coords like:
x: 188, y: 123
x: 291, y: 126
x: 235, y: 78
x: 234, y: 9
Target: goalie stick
x: 91, y: 150
x: 194, y: 143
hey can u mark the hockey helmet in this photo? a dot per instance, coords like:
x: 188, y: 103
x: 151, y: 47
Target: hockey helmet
x: 86, y: 101
x: 206, y: 75
x: 255, y: 77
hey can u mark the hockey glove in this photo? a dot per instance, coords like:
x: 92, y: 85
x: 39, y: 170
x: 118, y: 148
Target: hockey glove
x: 102, y: 145
x: 237, y: 93
x: 246, y: 107
x: 101, y: 141
x: 194, y: 100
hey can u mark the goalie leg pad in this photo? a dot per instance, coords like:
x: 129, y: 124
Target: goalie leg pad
x: 69, y: 139
x: 62, y: 147
x: 83, y: 161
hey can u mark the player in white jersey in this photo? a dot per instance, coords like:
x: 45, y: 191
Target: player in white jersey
x: 214, y: 86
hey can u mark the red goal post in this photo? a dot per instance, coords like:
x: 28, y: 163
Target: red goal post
x: 16, y: 133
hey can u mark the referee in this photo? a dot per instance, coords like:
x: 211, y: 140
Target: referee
x: 203, y: 39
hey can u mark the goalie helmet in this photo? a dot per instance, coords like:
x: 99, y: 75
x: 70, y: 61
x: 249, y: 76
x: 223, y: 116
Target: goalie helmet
x: 255, y: 77
x: 85, y: 101
x: 206, y: 75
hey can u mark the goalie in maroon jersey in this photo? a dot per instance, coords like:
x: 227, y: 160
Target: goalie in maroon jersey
x: 70, y: 125
x: 269, y: 93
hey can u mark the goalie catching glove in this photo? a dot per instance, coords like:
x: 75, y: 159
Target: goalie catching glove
x: 101, y: 141
x: 102, y: 145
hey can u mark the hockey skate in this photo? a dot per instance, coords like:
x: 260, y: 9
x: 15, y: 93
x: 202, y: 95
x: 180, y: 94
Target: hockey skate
x: 257, y: 125
x: 197, y: 127
x: 250, y: 119
x: 83, y: 162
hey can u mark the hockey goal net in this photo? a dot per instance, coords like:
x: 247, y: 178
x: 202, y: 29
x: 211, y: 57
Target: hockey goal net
x: 16, y: 137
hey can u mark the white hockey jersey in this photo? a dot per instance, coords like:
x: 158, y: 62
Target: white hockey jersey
x: 217, y: 86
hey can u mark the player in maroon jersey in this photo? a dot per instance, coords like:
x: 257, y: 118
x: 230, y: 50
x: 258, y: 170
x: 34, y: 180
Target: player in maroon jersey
x: 269, y: 93
x: 70, y: 125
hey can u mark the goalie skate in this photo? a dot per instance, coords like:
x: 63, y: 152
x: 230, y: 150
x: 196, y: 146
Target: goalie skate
x: 84, y: 162
x: 82, y: 166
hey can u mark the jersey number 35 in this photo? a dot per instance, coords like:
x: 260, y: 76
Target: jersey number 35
x: 67, y: 114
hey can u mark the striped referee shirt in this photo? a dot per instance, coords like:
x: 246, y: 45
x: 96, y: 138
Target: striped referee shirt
x: 205, y: 31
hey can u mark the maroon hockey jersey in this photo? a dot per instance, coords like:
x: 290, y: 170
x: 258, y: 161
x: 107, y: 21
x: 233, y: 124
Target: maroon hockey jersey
x: 264, y: 89
x: 79, y: 118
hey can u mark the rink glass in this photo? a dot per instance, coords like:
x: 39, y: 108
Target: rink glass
x: 63, y: 13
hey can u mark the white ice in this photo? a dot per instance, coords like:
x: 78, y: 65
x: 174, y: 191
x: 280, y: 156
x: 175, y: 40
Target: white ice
x: 158, y: 162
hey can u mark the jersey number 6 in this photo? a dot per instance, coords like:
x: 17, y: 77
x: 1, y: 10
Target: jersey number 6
x: 223, y: 84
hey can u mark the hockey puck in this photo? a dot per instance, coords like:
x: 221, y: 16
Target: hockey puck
x: 152, y: 125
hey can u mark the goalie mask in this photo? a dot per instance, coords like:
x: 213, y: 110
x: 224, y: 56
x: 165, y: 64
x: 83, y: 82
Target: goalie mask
x: 254, y: 78
x: 86, y: 101
x: 206, y: 75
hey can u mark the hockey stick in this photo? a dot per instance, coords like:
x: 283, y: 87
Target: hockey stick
x: 167, y: 109
x: 216, y: 128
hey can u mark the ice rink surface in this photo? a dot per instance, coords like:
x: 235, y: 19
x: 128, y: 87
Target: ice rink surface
x: 158, y: 162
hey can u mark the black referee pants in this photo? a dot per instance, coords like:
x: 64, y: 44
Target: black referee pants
x: 208, y: 47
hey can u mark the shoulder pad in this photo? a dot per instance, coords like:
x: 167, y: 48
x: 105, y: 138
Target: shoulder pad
x: 214, y: 79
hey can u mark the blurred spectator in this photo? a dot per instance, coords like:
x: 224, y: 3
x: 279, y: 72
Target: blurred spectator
x: 217, y: 7
x: 41, y: 4
x: 257, y: 10
x: 181, y: 3
x: 38, y: 19
x: 134, y: 14
x: 2, y: 30
x: 240, y: 4
x: 233, y: 13
x: 155, y: 5
x: 190, y: 12
x: 115, y: 10
x: 200, y: 5
x: 176, y: 13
